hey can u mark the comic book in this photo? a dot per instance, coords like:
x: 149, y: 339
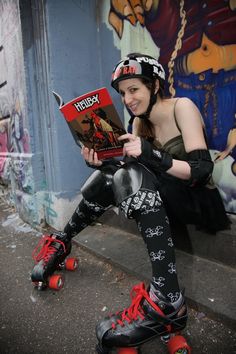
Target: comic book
x: 94, y: 122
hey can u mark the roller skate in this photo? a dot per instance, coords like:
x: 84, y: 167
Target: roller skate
x: 51, y: 254
x: 147, y: 318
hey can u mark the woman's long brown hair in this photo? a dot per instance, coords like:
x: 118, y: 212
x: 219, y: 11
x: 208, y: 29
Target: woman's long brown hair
x: 145, y: 128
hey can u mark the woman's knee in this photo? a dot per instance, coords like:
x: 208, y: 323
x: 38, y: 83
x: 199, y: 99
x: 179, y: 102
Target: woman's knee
x: 143, y: 202
x: 98, y: 189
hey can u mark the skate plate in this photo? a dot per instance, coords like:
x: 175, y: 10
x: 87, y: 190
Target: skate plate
x: 56, y: 281
x: 176, y: 344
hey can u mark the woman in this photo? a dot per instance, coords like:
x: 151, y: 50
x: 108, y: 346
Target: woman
x: 166, y: 171
x: 168, y: 140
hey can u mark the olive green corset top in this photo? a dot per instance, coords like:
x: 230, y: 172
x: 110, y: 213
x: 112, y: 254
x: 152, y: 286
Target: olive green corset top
x: 175, y: 147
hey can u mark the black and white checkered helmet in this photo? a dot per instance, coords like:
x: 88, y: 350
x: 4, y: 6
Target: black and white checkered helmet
x: 137, y: 66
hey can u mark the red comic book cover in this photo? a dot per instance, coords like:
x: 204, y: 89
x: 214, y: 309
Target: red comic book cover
x: 94, y: 122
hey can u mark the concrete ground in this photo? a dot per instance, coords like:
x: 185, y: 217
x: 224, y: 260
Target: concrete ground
x: 44, y: 322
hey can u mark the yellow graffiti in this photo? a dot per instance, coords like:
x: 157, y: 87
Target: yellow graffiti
x: 211, y: 56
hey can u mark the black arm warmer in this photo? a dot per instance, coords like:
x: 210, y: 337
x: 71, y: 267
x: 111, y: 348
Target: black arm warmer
x: 201, y: 167
x: 159, y: 161
x: 199, y: 160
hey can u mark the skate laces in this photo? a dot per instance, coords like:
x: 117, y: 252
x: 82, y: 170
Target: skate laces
x: 135, y: 311
x: 45, y: 249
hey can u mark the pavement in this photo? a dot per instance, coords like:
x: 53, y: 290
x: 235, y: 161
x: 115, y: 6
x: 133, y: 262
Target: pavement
x: 110, y: 263
x: 210, y: 287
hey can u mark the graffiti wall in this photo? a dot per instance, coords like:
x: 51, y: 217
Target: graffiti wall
x: 13, y: 132
x: 15, y: 156
x: 196, y: 43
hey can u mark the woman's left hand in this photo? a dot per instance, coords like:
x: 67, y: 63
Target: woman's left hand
x: 91, y: 157
x: 132, y: 146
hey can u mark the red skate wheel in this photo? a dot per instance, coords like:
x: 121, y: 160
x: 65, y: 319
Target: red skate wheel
x: 127, y: 351
x: 71, y: 263
x: 178, y: 345
x: 56, y: 282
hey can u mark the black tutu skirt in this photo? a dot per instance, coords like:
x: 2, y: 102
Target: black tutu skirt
x: 201, y: 206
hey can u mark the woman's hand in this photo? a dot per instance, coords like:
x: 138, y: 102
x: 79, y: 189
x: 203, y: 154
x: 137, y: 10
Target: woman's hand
x: 132, y: 147
x: 90, y: 157
x: 231, y: 144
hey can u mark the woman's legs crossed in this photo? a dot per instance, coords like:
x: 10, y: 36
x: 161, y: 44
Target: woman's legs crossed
x: 161, y: 309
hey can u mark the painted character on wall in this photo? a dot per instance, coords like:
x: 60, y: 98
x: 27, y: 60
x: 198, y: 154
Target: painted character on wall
x: 197, y: 42
x: 13, y: 139
x: 19, y: 135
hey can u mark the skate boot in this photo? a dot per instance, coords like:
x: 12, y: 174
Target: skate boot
x: 49, y: 255
x: 146, y: 318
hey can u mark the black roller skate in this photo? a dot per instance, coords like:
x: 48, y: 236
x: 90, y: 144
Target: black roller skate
x: 50, y: 254
x: 143, y: 321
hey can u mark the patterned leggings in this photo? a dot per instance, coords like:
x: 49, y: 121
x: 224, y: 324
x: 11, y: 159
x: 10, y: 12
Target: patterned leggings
x: 147, y: 209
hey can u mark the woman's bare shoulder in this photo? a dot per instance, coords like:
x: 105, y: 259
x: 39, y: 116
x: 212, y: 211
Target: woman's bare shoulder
x: 183, y: 102
x: 184, y: 107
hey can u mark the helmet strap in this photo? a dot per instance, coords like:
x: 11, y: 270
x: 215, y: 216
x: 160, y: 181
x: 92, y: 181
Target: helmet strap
x: 153, y: 100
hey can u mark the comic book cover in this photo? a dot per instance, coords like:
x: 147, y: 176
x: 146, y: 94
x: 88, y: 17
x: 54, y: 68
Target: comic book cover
x: 94, y: 122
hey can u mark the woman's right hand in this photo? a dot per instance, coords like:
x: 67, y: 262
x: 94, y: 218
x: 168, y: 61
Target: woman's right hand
x: 91, y: 157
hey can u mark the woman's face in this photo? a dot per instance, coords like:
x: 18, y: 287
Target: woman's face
x: 135, y: 95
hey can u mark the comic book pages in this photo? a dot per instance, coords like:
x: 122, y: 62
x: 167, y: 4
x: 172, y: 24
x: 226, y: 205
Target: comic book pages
x: 94, y: 122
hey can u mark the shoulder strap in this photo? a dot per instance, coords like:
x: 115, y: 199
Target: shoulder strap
x: 177, y: 125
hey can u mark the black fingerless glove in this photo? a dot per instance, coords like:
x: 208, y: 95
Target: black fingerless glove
x: 156, y: 159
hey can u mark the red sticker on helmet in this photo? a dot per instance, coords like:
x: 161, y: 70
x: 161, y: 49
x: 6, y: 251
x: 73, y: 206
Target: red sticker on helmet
x: 129, y: 67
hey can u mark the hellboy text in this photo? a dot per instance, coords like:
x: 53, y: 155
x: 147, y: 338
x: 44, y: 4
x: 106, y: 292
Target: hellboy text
x: 86, y: 102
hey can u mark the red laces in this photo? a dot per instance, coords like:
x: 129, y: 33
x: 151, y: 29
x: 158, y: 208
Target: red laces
x: 44, y: 249
x: 135, y: 311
